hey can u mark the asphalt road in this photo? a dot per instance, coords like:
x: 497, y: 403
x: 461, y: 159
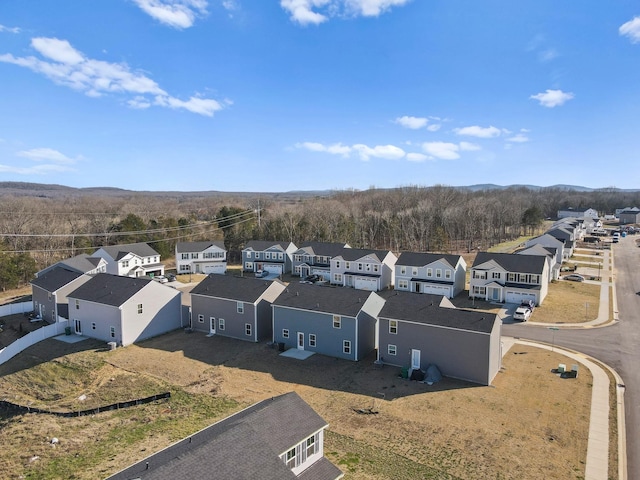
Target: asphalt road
x: 617, y: 345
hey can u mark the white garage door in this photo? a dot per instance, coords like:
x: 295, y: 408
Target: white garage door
x: 517, y: 297
x: 366, y: 284
x: 277, y: 269
x: 435, y: 290
x: 218, y: 269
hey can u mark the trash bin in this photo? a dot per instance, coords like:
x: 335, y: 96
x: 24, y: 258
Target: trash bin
x: 67, y: 330
x: 281, y: 346
x: 404, y: 373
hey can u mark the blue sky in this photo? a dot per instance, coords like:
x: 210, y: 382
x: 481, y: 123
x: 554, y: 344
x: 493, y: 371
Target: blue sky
x: 279, y: 95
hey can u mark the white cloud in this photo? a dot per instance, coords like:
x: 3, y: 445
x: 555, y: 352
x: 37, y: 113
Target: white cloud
x: 8, y: 29
x: 388, y: 152
x: 174, y: 13
x: 480, y: 132
x: 631, y: 29
x: 434, y: 127
x: 552, y: 98
x: 335, y: 149
x: 36, y: 170
x: 307, y: 12
x: 413, y: 123
x: 518, y: 138
x: 46, y: 154
x: 442, y: 150
x: 547, y: 55
x: 469, y: 147
x: 64, y: 65
x: 417, y: 157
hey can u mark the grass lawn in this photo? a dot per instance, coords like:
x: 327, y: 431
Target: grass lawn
x: 569, y: 302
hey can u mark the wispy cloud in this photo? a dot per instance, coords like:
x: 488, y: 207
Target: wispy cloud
x: 315, y: 12
x: 64, y: 65
x: 479, y: 132
x: 518, y: 138
x: 9, y: 29
x: 552, y: 98
x: 46, y: 155
x: 174, y: 13
x: 35, y: 170
x: 417, y: 157
x: 469, y: 147
x: 47, y: 161
x: 631, y: 29
x: 442, y: 150
x: 364, y: 152
x: 414, y: 123
x: 538, y: 45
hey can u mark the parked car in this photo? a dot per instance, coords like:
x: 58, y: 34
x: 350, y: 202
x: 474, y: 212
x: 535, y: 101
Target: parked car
x: 161, y: 278
x: 530, y: 304
x: 311, y: 279
x: 261, y: 273
x: 522, y: 313
x: 574, y: 277
x: 171, y: 277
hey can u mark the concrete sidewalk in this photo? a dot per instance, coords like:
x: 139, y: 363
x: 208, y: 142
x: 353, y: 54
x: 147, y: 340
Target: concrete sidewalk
x: 597, y: 464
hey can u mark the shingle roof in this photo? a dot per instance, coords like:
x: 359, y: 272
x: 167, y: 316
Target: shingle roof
x: 118, y: 251
x: 419, y: 259
x: 424, y: 308
x: 182, y: 247
x: 109, y: 289
x: 246, y: 445
x: 81, y: 263
x: 513, y: 262
x: 327, y: 249
x: 336, y: 300
x: 261, y: 245
x: 352, y: 254
x: 55, y: 279
x: 243, y: 289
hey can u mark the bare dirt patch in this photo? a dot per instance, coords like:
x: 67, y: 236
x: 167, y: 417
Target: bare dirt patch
x: 530, y: 424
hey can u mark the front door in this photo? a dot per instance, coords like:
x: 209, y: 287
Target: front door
x: 77, y: 327
x: 415, y: 358
x: 418, y: 285
x: 495, y: 294
x: 300, y: 341
x: 212, y: 325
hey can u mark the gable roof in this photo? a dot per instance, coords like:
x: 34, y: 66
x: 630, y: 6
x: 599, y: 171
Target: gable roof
x: 242, y: 446
x: 512, y: 262
x: 55, y: 279
x: 243, y: 289
x: 82, y: 263
x: 108, y: 289
x: 182, y: 247
x: 425, y: 308
x: 538, y: 249
x: 118, y: 251
x: 260, y: 245
x: 328, y: 249
x: 353, y: 254
x: 420, y: 259
x: 317, y: 298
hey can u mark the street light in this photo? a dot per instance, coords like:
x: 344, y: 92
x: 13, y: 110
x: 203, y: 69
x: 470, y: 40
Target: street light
x: 553, y: 334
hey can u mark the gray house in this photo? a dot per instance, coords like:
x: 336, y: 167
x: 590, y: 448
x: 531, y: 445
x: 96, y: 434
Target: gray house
x: 338, y: 322
x: 363, y: 269
x: 435, y: 273
x: 567, y: 236
x: 201, y: 257
x: 549, y: 241
x: 238, y: 307
x: 272, y: 257
x: 630, y: 216
x: 549, y: 253
x: 416, y: 331
x: 131, y: 260
x: 49, y: 292
x: 124, y: 310
x: 82, y: 263
x: 279, y: 438
x: 314, y: 258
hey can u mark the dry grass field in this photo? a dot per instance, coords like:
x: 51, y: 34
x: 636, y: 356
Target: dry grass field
x: 529, y: 425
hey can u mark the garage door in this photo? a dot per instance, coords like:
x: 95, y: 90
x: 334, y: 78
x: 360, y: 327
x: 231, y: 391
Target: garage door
x: 366, y: 284
x: 218, y: 269
x: 277, y: 269
x: 435, y: 290
x: 517, y: 297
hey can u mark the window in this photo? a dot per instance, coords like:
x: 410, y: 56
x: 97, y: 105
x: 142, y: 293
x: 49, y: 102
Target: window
x: 348, y: 265
x: 248, y: 265
x: 49, y: 296
x: 77, y: 304
x: 247, y: 329
x: 429, y: 272
x: 240, y: 307
x: 285, y: 333
x: 393, y: 326
x: 267, y: 256
x: 248, y: 254
x: 280, y: 256
x: 311, y: 445
x: 337, y: 321
x: 112, y: 332
x: 447, y: 274
x: 337, y: 278
x: 346, y: 347
x: 312, y: 339
x: 125, y: 263
x: 194, y: 255
x: 414, y: 271
x: 221, y: 324
x: 403, y: 270
x: 185, y: 256
x: 93, y: 325
x: 376, y: 268
x: 392, y: 349
x: 403, y: 284
x: 359, y: 267
x: 201, y: 318
x: 496, y: 275
x: 482, y: 275
x: 511, y: 277
x: 185, y: 268
x: 367, y: 267
x: 290, y: 458
x: 139, y: 309
x: 337, y: 263
x: 438, y: 273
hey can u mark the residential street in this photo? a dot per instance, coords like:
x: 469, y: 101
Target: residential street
x: 616, y: 345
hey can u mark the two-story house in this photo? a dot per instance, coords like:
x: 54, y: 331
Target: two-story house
x: 131, y: 260
x: 577, y: 212
x: 549, y: 253
x: 551, y: 242
x: 50, y: 289
x: 509, y: 277
x: 314, y: 258
x: 268, y: 256
x: 278, y: 438
x: 434, y: 273
x: 82, y: 263
x: 363, y: 269
x: 201, y: 257
x: 567, y: 236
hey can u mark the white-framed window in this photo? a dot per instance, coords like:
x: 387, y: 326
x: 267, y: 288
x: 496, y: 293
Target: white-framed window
x: 312, y: 445
x: 337, y: 278
x: 376, y: 267
x: 77, y: 304
x: 93, y: 325
x: 347, y: 265
x: 447, y: 274
x: 247, y: 329
x: 221, y: 324
x: 285, y: 333
x: 290, y: 458
x: 337, y: 263
x: 240, y: 307
x: 248, y: 265
x: 200, y: 318
x: 280, y: 256
x: 438, y: 273
x: 139, y: 309
x: 248, y: 254
x: 392, y: 349
x: 267, y: 256
x: 477, y: 290
x: 403, y: 284
x: 346, y: 347
x: 185, y: 256
x: 297, y: 270
x: 429, y: 272
x: 337, y: 321
x: 403, y: 270
x: 414, y: 271
x: 112, y: 332
x: 312, y: 339
x: 511, y: 277
x: 359, y: 267
x: 185, y: 268
x: 125, y: 263
x: 194, y: 256
x: 393, y: 326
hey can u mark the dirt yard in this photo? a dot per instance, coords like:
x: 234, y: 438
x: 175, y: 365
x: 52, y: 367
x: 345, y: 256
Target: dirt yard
x: 530, y: 424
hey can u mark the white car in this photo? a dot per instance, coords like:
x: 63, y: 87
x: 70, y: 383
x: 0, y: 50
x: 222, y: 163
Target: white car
x: 161, y: 279
x: 522, y: 313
